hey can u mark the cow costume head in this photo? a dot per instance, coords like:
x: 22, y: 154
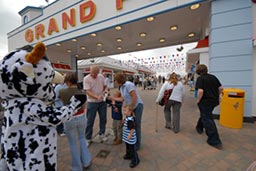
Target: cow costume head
x: 27, y: 72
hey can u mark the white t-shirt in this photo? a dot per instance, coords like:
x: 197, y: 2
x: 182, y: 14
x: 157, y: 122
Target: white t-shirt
x: 178, y: 91
x: 94, y: 85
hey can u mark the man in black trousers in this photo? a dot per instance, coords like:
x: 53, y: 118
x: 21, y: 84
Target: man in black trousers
x: 209, y: 90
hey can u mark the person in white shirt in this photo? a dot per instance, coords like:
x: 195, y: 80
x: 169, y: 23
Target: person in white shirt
x: 107, y: 80
x: 95, y: 87
x: 175, y: 100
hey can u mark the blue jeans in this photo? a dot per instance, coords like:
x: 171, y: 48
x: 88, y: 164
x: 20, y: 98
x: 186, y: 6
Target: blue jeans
x: 92, y: 109
x: 77, y: 125
x: 206, y: 122
x: 138, y: 116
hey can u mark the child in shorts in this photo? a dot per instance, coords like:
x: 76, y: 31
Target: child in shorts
x: 117, y: 116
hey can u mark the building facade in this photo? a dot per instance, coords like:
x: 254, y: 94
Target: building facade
x: 229, y: 24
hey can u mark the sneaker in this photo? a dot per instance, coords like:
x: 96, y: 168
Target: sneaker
x: 88, y: 142
x: 168, y: 127
x: 217, y: 146
x: 87, y: 167
x: 62, y: 134
x: 103, y: 137
x: 199, y: 131
x: 134, y: 164
x: 117, y: 142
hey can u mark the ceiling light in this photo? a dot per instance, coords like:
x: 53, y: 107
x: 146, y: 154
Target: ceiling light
x: 89, y: 53
x: 143, y: 34
x: 191, y: 34
x: 173, y: 28
x: 118, y: 28
x: 150, y: 19
x: 102, y: 50
x: 74, y: 40
x: 99, y: 44
x: 138, y: 44
x: 77, y: 55
x: 194, y: 7
x: 69, y: 51
x: 82, y: 47
x: 58, y: 44
x: 119, y: 40
x: 162, y: 40
x: 93, y: 34
x: 119, y: 48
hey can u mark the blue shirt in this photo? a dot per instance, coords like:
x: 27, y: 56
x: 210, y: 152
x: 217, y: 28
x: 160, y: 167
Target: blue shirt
x: 57, y: 101
x: 117, y: 115
x: 125, y: 90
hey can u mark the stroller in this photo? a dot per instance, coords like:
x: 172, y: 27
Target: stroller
x: 151, y: 85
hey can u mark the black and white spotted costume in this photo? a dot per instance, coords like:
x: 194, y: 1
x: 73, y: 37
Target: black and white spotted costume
x: 29, y: 138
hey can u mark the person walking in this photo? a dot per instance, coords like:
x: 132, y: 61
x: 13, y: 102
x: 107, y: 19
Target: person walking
x: 96, y: 88
x: 174, y: 103
x: 131, y: 97
x: 81, y: 157
x: 209, y: 90
x: 107, y: 80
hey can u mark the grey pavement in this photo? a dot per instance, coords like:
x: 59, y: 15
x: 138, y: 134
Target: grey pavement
x: 163, y: 150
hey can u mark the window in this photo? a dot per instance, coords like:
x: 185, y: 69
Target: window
x: 25, y: 19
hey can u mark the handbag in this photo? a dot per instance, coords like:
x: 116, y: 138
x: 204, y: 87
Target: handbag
x: 164, y: 100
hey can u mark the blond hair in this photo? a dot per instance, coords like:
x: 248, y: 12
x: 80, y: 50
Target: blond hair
x: 117, y: 92
x: 174, y: 78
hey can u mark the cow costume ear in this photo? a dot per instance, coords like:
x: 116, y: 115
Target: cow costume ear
x: 37, y: 54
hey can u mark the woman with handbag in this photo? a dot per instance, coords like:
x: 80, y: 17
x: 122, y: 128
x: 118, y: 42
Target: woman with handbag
x: 174, y: 102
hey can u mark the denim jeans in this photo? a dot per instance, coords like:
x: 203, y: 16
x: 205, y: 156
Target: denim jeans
x: 206, y: 122
x: 80, y: 157
x: 92, y: 109
x: 138, y: 116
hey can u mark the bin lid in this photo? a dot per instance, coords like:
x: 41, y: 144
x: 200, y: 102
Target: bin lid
x: 236, y: 90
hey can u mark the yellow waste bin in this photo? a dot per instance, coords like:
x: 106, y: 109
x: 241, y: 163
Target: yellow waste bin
x: 232, y: 108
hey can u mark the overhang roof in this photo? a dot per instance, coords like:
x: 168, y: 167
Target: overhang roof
x: 187, y: 21
x: 201, y: 47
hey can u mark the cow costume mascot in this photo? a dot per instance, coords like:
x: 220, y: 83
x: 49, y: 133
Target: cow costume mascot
x: 29, y: 138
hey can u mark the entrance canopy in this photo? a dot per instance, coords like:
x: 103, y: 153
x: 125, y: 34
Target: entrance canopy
x: 89, y: 29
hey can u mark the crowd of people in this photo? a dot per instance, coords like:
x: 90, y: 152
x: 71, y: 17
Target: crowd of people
x: 127, y: 110
x: 126, y: 128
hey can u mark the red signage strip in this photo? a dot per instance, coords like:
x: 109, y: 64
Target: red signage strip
x: 61, y: 66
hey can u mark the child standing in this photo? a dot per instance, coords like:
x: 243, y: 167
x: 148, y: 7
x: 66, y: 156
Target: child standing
x: 117, y: 117
x: 129, y: 137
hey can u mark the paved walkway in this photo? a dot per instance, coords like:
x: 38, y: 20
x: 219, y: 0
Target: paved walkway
x: 165, y: 151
